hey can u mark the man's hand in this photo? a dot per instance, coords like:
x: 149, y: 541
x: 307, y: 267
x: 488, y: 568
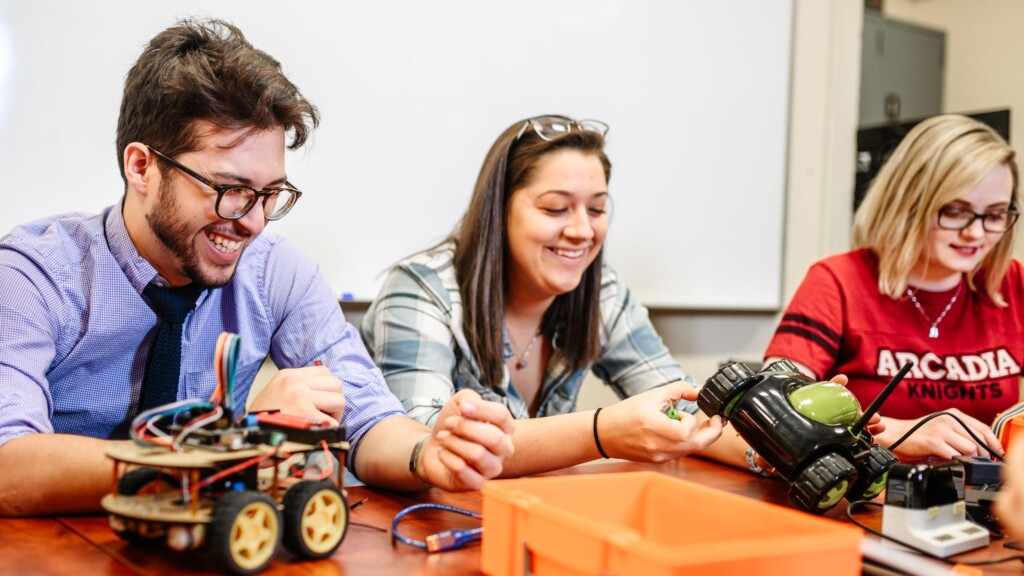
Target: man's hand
x: 312, y: 392
x: 471, y: 441
x: 637, y: 428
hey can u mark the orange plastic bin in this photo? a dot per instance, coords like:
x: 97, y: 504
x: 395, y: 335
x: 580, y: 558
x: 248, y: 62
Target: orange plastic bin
x: 651, y: 524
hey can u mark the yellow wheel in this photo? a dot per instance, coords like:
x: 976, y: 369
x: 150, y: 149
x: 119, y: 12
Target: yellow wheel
x: 315, y: 519
x: 244, y: 532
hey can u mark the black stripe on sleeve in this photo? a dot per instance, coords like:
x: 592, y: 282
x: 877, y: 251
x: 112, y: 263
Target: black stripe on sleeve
x: 829, y: 347
x: 809, y: 322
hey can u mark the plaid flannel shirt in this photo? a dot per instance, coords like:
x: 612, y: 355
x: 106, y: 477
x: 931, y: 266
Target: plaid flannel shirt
x: 414, y: 332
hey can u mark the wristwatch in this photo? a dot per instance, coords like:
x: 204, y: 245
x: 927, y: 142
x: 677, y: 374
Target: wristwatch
x: 752, y: 463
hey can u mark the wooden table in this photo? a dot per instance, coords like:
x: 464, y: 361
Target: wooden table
x: 85, y: 544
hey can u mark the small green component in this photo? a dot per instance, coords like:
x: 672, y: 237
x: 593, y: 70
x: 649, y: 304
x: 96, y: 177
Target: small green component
x: 276, y: 438
x: 672, y: 413
x: 826, y: 402
x: 732, y: 404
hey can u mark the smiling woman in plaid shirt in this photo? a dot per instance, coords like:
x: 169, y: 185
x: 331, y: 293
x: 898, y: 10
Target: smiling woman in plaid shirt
x: 518, y: 305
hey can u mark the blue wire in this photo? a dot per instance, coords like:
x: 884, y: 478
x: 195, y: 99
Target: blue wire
x: 447, y: 540
x: 228, y: 368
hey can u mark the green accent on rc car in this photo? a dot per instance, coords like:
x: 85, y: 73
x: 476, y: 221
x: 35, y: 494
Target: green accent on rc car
x: 826, y: 402
x: 876, y: 487
x: 728, y: 408
x: 834, y: 495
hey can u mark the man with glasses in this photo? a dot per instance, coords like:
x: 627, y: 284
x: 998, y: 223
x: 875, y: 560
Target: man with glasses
x: 102, y: 317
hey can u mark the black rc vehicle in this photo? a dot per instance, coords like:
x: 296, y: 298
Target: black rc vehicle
x: 812, y: 433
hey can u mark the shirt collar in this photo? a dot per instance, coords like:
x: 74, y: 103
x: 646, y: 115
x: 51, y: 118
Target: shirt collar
x: 136, y: 268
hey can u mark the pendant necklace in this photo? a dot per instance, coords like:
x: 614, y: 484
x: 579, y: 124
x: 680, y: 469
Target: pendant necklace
x: 522, y: 361
x: 933, y: 331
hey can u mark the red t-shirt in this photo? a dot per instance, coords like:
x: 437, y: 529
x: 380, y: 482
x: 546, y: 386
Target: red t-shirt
x: 839, y: 323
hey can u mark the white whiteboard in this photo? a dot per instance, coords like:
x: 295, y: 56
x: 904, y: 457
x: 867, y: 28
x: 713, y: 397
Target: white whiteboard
x: 412, y: 93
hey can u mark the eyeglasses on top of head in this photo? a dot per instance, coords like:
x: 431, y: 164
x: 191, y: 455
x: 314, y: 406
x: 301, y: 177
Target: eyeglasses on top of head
x: 959, y: 218
x: 235, y: 201
x: 550, y: 127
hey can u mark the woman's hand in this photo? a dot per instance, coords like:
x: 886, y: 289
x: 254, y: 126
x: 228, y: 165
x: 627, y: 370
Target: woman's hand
x: 941, y: 436
x: 470, y: 443
x: 638, y: 429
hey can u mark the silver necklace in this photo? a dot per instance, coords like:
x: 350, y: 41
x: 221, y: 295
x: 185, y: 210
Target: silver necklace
x: 933, y: 331
x: 522, y: 362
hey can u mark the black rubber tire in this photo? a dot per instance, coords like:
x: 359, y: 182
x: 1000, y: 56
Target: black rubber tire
x: 782, y: 366
x: 238, y: 515
x: 133, y: 482
x: 718, y: 391
x: 822, y: 484
x: 315, y: 519
x: 873, y: 470
x: 133, y: 537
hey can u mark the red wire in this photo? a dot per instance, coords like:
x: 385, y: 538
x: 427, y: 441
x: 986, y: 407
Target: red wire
x: 229, y: 471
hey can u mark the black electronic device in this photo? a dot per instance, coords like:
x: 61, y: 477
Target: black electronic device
x: 921, y: 486
x: 925, y: 508
x: 979, y: 470
x: 812, y: 433
x: 979, y: 501
x: 982, y: 480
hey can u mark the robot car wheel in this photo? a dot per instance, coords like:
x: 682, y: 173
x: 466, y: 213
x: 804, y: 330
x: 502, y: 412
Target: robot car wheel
x: 823, y: 483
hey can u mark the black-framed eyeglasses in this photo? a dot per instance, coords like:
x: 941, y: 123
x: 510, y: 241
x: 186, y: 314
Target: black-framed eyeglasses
x: 550, y: 127
x: 235, y: 200
x: 957, y: 218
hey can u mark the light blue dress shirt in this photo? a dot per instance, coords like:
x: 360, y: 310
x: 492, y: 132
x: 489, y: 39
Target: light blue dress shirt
x: 75, y: 331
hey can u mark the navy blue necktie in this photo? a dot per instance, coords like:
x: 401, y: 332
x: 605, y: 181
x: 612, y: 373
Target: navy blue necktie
x: 163, y: 368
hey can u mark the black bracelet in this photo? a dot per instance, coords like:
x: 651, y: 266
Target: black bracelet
x: 414, y: 458
x: 596, y: 439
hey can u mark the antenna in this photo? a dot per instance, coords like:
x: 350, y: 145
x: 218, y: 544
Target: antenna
x: 860, y: 424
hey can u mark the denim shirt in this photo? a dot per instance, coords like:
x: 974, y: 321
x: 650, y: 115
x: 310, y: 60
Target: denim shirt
x: 414, y: 332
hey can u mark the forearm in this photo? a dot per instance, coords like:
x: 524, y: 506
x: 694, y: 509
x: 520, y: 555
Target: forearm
x: 730, y: 448
x: 47, y: 474
x: 552, y: 442
x: 635, y: 429
x: 383, y: 457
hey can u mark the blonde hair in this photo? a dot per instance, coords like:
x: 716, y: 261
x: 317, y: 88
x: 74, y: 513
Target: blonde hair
x: 939, y: 160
